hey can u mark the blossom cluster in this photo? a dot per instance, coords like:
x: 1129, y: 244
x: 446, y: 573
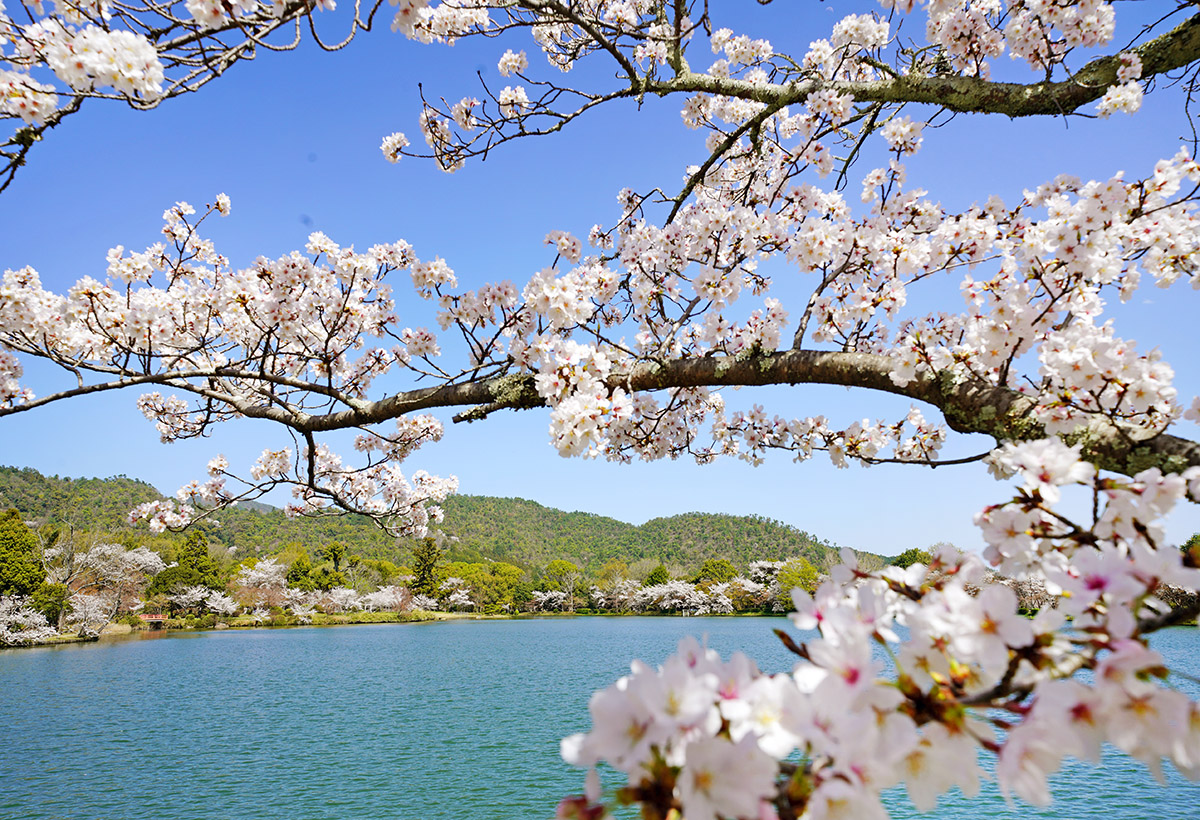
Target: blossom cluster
x: 201, y: 598
x: 715, y: 738
x: 301, y: 317
x: 21, y: 624
x: 24, y: 97
x: 1127, y: 94
x: 214, y: 13
x: 680, y: 289
x: 750, y: 434
x: 79, y: 47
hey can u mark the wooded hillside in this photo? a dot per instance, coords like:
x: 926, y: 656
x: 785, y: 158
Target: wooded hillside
x: 504, y: 529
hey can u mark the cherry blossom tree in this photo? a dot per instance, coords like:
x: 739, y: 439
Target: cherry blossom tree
x: 102, y: 579
x: 341, y: 599
x: 103, y: 567
x: 387, y: 599
x: 548, y: 600
x: 220, y: 603
x: 20, y: 624
x: 264, y: 584
x: 91, y: 612
x: 423, y: 603
x: 189, y: 597
x: 995, y: 321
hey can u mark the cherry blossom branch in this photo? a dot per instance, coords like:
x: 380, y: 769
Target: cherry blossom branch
x: 1168, y: 52
x: 969, y: 407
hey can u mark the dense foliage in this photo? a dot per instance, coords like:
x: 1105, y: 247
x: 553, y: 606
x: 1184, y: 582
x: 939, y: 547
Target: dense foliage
x: 529, y: 534
x: 910, y: 556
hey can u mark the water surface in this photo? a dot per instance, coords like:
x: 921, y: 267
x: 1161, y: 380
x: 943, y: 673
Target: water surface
x: 439, y: 721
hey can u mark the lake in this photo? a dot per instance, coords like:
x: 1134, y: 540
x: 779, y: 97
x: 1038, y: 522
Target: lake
x: 437, y: 721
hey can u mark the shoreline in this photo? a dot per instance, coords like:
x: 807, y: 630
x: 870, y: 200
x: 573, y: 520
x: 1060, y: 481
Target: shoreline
x: 120, y: 630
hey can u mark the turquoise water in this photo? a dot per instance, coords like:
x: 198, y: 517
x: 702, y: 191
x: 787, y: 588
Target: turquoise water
x: 439, y: 721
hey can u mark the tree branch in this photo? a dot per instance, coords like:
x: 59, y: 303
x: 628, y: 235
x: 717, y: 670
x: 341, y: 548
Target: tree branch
x: 969, y: 406
x: 1175, y: 49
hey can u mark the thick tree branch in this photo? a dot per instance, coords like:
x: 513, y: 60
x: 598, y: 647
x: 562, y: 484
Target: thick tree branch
x: 1175, y: 49
x: 969, y: 406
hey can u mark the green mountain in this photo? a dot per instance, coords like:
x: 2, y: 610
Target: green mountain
x: 528, y: 534
x: 480, y: 528
x: 100, y: 505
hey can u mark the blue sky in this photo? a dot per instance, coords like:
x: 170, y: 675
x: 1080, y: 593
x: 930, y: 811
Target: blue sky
x: 293, y: 138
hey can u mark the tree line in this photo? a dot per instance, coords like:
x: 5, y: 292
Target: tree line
x: 55, y: 580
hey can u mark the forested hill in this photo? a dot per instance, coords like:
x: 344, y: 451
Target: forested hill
x: 526, y: 533
x: 100, y: 502
x: 101, y: 505
x: 505, y: 529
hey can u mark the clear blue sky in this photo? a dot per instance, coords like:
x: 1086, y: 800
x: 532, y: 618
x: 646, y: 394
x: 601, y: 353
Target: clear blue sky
x: 294, y: 140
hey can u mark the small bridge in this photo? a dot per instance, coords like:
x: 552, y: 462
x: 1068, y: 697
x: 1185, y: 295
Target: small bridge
x: 155, y: 620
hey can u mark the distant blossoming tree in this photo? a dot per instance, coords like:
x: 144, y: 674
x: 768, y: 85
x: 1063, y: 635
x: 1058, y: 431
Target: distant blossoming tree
x: 628, y: 336
x: 189, y: 597
x: 341, y: 599
x: 264, y: 584
x: 387, y: 599
x: 21, y: 624
x: 220, y: 604
x: 90, y: 612
x: 105, y: 579
x: 548, y: 600
x: 424, y: 603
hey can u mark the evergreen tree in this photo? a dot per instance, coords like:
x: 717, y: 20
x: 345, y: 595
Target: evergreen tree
x: 911, y: 556
x: 335, y: 551
x: 716, y: 571
x: 325, y: 579
x: 51, y: 601
x: 426, y: 556
x: 194, y: 555
x: 194, y: 567
x: 658, y: 575
x: 173, y: 577
x: 299, y: 574
x: 20, y: 570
